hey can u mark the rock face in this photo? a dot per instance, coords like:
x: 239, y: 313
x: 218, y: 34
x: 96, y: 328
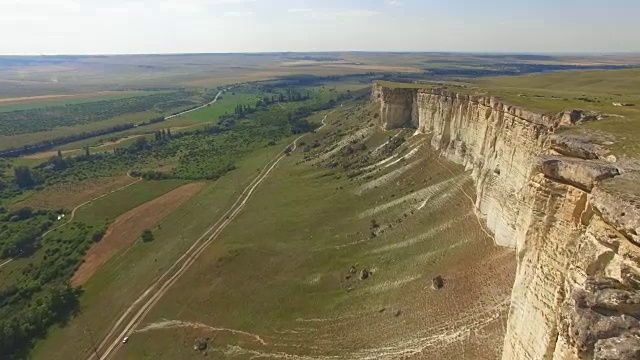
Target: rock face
x: 396, y: 106
x: 573, y: 219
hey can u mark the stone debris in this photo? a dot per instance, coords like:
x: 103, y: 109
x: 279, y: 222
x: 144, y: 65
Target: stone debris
x: 364, y: 274
x: 200, y: 345
x: 437, y: 283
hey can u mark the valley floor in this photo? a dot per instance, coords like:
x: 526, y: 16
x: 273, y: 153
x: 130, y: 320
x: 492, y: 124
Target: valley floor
x: 285, y: 278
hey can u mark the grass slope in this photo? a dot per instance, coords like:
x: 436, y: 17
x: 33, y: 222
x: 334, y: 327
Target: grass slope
x: 278, y: 283
x: 121, y: 279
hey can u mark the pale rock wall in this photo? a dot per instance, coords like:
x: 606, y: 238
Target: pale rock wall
x: 573, y: 221
x: 397, y: 108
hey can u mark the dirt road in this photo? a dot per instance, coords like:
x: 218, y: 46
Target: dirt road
x: 73, y: 212
x: 51, y: 153
x: 199, y: 107
x: 135, y: 313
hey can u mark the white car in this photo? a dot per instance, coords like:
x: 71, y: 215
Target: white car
x: 125, y: 340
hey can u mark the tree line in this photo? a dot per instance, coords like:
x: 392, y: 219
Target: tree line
x: 39, y: 295
x: 47, y: 118
x: 48, y: 144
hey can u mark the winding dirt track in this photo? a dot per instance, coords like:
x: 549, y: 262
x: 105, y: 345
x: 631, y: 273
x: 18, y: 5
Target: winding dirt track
x: 199, y: 107
x: 135, y: 313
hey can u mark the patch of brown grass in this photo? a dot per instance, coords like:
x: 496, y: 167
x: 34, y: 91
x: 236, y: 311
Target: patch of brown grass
x: 128, y: 226
x: 34, y: 99
x: 68, y: 196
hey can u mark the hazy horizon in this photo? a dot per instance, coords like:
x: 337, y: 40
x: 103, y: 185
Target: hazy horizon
x: 594, y: 53
x: 89, y: 27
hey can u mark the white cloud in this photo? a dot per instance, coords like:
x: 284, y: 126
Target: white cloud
x: 394, y: 2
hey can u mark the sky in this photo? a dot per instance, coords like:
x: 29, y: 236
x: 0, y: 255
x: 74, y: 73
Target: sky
x: 35, y: 27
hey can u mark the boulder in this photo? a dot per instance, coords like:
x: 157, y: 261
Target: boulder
x: 575, y: 146
x: 437, y: 283
x: 583, y: 174
x: 364, y: 274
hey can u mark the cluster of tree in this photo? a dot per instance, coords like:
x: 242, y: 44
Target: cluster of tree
x: 47, y: 118
x: 163, y: 135
x: 24, y: 177
x: 54, y: 303
x: 392, y: 145
x: 243, y: 110
x: 298, y: 119
x: 151, y: 175
x: 290, y: 95
x: 20, y: 231
x: 39, y: 296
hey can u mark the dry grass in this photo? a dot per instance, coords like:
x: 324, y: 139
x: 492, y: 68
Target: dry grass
x: 279, y: 271
x: 35, y: 99
x: 128, y: 226
x: 68, y: 196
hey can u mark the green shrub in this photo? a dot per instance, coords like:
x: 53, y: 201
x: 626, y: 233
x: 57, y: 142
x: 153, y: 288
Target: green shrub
x: 146, y: 236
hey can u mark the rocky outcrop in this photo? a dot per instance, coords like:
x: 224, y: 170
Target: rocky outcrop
x: 583, y: 174
x: 396, y: 106
x: 573, y: 219
x: 577, y: 146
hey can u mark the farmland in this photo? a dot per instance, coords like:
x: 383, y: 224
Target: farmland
x: 279, y: 221
x: 256, y: 122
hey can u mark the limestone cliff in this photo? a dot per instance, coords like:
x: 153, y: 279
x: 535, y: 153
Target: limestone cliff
x: 573, y: 219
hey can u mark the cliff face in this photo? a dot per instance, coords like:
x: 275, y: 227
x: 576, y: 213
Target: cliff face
x: 572, y: 218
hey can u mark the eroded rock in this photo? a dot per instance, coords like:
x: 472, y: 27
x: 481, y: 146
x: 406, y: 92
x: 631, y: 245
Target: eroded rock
x: 575, y: 146
x: 605, y: 309
x: 583, y: 174
x: 625, y: 347
x: 618, y: 200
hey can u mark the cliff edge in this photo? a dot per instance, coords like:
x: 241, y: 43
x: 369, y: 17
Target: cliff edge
x: 573, y: 218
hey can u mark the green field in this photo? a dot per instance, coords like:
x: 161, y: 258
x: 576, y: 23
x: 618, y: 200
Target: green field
x: 553, y: 93
x: 123, y: 278
x: 593, y: 91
